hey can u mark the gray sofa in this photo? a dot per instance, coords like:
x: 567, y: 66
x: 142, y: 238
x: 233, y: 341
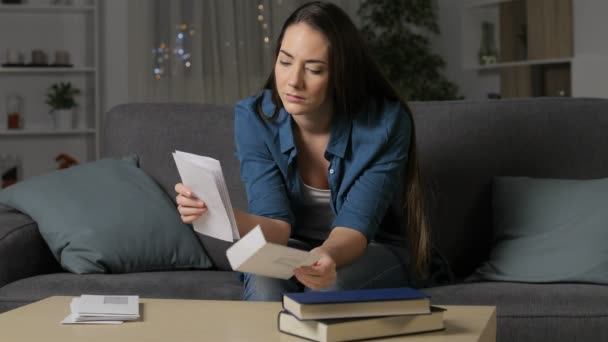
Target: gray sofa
x: 462, y: 145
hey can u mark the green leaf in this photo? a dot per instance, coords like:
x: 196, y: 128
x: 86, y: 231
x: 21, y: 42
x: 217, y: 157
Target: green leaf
x: 61, y: 96
x: 397, y: 33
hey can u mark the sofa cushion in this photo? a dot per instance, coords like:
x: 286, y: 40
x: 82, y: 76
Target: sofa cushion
x: 548, y: 230
x: 107, y: 216
x: 213, y: 285
x: 535, y: 312
x: 23, y: 252
x: 203, y: 129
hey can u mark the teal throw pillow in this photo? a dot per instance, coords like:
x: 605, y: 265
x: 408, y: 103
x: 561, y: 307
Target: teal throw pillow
x: 107, y: 216
x: 548, y: 230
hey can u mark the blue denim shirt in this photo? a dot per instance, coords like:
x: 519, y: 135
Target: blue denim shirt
x: 367, y: 158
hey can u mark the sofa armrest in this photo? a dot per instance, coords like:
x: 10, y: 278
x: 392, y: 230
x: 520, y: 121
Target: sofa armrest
x: 23, y: 252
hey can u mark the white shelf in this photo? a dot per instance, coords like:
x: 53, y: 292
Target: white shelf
x: 37, y: 24
x: 519, y: 63
x: 50, y: 70
x: 46, y: 132
x: 24, y: 8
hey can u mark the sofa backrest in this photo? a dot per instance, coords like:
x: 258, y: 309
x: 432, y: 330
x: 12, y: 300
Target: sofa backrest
x: 462, y: 145
x: 154, y: 131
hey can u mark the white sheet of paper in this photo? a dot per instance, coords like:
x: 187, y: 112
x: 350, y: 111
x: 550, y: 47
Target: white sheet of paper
x: 71, y: 319
x: 96, y: 305
x: 75, y: 318
x: 204, y: 177
x: 254, y: 254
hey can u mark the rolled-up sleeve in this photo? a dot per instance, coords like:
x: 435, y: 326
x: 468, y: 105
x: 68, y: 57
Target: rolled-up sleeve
x: 373, y: 191
x: 264, y: 182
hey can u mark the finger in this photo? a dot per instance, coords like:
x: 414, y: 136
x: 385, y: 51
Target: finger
x: 323, y: 280
x: 306, y: 281
x: 314, y: 270
x: 313, y: 279
x: 318, y: 285
x: 187, y: 211
x: 189, y: 218
x: 180, y: 188
x: 189, y: 202
x: 183, y: 190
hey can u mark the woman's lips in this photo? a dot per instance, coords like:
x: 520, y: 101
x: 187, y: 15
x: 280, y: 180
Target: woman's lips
x: 294, y: 98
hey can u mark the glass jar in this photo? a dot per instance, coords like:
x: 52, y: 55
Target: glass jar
x: 487, y: 51
x: 14, y: 112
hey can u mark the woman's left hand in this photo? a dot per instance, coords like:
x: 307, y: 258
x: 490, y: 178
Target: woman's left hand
x: 320, y: 274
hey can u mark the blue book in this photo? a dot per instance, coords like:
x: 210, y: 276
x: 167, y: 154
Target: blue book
x: 356, y: 303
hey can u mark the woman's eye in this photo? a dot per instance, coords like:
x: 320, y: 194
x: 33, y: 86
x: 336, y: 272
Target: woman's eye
x: 284, y: 63
x: 316, y: 72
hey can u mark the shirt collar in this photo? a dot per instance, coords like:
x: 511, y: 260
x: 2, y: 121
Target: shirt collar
x: 338, y: 139
x: 283, y: 121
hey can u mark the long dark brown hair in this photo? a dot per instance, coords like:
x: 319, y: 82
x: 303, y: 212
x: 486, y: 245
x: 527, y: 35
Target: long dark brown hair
x: 355, y: 81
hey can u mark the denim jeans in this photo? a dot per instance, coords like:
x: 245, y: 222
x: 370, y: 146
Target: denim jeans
x: 381, y: 265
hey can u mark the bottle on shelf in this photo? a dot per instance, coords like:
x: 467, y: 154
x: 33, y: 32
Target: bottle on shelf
x: 14, y: 112
x: 487, y: 50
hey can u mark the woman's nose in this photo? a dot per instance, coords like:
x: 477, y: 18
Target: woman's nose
x: 295, y: 78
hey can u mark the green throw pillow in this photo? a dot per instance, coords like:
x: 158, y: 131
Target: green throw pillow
x: 548, y: 230
x: 107, y: 216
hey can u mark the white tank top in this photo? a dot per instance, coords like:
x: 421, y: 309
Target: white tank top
x: 317, y: 216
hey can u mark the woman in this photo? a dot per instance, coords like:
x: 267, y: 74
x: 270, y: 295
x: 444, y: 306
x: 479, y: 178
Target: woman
x: 325, y: 150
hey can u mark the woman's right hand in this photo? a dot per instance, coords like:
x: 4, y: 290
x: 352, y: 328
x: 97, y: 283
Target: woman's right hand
x: 189, y: 206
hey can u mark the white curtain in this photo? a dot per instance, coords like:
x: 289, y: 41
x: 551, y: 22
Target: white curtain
x: 210, y: 51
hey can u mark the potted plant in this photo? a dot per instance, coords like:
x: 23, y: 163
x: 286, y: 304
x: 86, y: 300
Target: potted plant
x: 60, y: 97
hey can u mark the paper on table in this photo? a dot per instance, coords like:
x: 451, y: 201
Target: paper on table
x: 89, y: 309
x: 96, y: 305
x: 71, y: 319
x: 203, y: 175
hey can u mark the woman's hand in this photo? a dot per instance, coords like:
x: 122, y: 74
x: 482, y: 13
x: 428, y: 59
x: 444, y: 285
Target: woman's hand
x: 319, y: 275
x: 189, y: 206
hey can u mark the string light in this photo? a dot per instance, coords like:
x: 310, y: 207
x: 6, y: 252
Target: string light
x: 182, y: 44
x: 159, y: 58
x: 264, y: 24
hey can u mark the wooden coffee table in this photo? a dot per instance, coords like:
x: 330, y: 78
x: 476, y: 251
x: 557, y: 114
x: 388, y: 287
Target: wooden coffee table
x: 204, y: 320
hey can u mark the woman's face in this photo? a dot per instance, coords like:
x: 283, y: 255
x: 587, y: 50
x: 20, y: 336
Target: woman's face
x: 302, y: 71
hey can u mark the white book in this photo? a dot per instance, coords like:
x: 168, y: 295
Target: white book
x: 73, y: 319
x: 94, y: 309
x: 203, y: 175
x: 254, y: 254
x: 93, y: 305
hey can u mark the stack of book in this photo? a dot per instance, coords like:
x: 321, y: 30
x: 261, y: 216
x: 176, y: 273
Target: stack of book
x: 93, y: 309
x: 333, y: 316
